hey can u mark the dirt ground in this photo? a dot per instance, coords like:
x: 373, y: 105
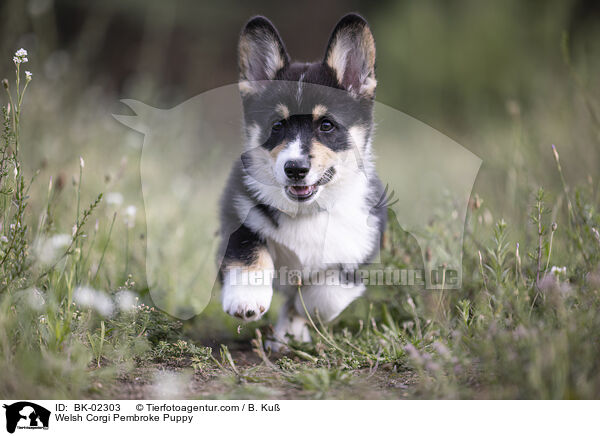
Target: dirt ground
x: 255, y: 380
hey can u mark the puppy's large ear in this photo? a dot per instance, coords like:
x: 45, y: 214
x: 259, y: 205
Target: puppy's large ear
x: 351, y: 55
x: 261, y: 53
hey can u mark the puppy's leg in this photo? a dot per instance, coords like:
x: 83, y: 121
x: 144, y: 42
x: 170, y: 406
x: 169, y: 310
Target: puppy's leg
x: 290, y: 324
x: 247, y: 274
x: 328, y: 300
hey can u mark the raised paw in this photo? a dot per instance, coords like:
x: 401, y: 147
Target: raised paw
x: 248, y: 303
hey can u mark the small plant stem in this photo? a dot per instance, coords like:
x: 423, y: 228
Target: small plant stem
x: 533, y: 303
x: 441, y: 298
x: 572, y: 218
x: 549, y: 252
x: 518, y: 267
x: 482, y: 272
x: 78, y: 231
x: 126, y: 249
x: 323, y: 327
x: 102, y: 336
x: 540, y: 242
x: 310, y: 320
x: 87, y: 256
x: 16, y: 113
x: 259, y: 349
x: 79, y: 193
x: 105, y: 246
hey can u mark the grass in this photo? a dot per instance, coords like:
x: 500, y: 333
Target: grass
x: 76, y: 320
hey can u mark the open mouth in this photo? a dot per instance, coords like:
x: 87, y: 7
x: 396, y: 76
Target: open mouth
x: 304, y: 192
x: 301, y: 193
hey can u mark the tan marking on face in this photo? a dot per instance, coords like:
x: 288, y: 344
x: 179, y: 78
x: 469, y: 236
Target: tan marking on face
x: 283, y: 111
x: 319, y: 111
x: 275, y: 152
x: 322, y: 156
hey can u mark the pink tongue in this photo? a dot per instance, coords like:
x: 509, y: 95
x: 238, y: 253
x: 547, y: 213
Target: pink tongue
x: 301, y: 190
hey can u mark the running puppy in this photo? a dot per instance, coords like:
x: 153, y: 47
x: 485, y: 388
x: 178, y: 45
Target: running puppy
x: 304, y: 196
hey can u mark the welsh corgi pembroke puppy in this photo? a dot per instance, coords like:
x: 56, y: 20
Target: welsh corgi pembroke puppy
x: 304, y: 199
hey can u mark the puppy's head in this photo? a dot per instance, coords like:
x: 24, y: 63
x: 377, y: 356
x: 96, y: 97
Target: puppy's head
x: 308, y: 125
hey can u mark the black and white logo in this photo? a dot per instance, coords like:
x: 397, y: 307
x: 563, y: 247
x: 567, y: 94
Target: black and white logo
x: 26, y: 415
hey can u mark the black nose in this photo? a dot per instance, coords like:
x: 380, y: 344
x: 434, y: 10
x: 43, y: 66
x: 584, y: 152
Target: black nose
x: 296, y: 169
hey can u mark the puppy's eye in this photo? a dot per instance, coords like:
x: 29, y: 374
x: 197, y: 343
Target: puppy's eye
x: 277, y: 126
x: 326, y: 126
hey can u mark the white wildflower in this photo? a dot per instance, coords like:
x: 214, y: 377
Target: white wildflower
x: 114, y: 198
x: 48, y: 250
x: 81, y: 163
x: 28, y: 75
x: 558, y: 270
x: 86, y: 296
x: 3, y: 239
x: 126, y: 300
x: 61, y: 240
x: 130, y: 213
x: 20, y: 56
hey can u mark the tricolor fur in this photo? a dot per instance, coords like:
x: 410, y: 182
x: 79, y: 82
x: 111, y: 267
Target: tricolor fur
x: 304, y: 195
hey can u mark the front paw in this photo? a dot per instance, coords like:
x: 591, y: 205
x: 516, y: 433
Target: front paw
x: 249, y: 303
x: 289, y: 326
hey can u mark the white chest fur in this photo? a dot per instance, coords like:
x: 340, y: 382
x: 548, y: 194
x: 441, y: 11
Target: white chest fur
x: 341, y: 235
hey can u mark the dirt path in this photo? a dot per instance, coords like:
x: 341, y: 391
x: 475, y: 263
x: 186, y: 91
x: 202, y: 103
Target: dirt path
x: 255, y: 380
